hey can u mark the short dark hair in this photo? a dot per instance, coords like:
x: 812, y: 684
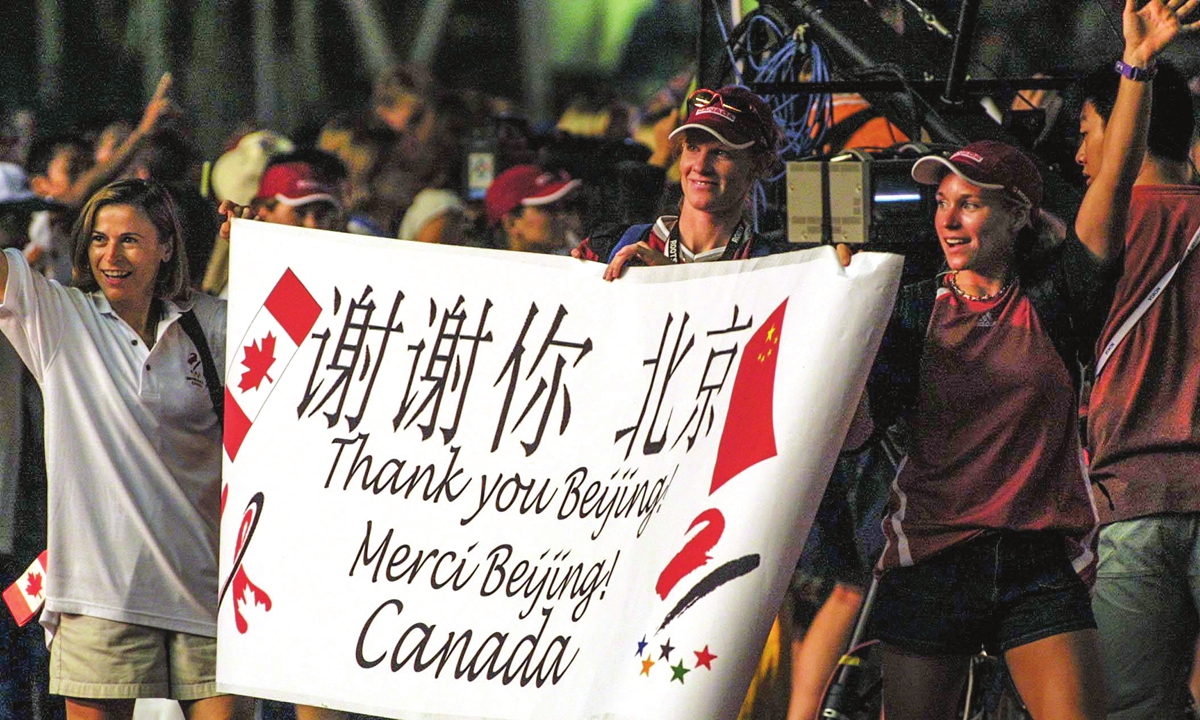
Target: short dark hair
x: 150, y: 197
x: 1171, y: 118
x: 166, y: 158
x: 43, y: 150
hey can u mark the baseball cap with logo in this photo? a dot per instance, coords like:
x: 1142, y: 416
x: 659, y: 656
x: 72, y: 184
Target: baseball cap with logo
x: 527, y: 185
x: 735, y: 116
x: 295, y: 184
x: 988, y: 164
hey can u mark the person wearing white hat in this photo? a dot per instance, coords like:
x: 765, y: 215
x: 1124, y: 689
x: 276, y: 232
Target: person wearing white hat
x: 236, y: 174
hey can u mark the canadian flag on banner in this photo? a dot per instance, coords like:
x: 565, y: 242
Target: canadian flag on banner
x: 262, y: 356
x: 25, y: 597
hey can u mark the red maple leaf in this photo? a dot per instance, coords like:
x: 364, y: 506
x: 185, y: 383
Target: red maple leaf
x: 258, y: 361
x: 34, y: 588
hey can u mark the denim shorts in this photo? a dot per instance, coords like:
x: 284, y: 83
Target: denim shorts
x: 998, y: 591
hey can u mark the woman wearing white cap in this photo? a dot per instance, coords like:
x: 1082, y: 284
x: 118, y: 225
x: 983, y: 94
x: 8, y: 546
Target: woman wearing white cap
x: 992, y: 520
x: 727, y: 143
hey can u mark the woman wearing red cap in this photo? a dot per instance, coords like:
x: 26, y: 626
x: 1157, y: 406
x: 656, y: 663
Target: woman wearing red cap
x: 992, y: 518
x: 727, y: 144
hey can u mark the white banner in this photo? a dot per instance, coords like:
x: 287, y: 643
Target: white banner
x: 468, y: 483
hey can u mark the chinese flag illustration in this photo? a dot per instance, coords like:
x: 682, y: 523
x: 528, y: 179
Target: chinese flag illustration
x: 25, y: 596
x: 264, y: 352
x: 749, y: 433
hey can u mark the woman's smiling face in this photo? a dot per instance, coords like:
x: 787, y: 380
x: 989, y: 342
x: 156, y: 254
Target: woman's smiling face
x: 977, y: 227
x: 716, y: 178
x: 125, y: 255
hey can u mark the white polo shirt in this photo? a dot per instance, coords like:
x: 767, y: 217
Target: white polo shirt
x: 133, y: 454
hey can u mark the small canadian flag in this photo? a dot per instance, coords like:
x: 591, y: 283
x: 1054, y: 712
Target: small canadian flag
x: 25, y: 597
x: 263, y: 354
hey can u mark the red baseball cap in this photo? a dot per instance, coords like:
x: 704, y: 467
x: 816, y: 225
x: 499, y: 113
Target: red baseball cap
x: 735, y: 116
x: 295, y: 184
x: 525, y: 185
x: 988, y: 164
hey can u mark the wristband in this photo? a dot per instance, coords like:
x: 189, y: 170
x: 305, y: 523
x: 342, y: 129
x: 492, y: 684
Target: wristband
x: 1135, y: 73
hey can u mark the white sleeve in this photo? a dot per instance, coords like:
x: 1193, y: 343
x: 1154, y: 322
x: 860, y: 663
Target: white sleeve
x: 33, y: 310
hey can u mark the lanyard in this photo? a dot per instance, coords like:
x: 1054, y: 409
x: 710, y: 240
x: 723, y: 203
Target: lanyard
x: 740, y: 237
x: 1142, y: 307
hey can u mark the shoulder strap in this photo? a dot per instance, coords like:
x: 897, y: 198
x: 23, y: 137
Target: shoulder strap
x: 216, y: 391
x: 1143, y: 306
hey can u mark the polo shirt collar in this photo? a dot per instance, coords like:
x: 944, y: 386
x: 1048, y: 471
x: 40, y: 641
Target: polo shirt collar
x: 172, y: 309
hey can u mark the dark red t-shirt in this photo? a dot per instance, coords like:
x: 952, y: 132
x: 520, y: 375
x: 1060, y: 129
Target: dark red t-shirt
x: 995, y: 437
x: 1144, y: 412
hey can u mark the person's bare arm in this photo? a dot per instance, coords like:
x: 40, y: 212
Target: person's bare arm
x: 103, y: 173
x: 1100, y: 223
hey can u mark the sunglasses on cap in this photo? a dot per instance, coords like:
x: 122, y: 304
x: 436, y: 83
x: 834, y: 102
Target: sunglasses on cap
x: 704, y: 98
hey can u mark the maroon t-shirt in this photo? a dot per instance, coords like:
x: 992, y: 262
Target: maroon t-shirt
x: 995, y: 437
x: 1144, y: 413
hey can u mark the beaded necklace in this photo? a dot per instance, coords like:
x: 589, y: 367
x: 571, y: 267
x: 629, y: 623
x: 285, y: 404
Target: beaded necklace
x: 979, y: 298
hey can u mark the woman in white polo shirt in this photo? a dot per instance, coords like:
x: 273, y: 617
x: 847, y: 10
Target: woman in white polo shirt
x: 133, y: 457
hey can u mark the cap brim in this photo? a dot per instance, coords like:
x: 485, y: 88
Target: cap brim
x: 930, y: 170
x: 309, y: 200
x: 720, y: 138
x: 558, y: 194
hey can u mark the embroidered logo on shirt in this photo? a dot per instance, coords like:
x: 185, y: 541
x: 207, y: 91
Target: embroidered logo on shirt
x: 195, y: 376
x: 986, y: 320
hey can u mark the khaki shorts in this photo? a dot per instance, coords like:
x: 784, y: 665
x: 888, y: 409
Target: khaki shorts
x: 106, y: 660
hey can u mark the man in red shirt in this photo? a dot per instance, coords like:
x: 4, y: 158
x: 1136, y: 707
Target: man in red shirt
x: 1144, y: 415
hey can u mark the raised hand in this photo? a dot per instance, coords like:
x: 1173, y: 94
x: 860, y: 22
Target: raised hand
x: 1151, y: 29
x: 158, y: 107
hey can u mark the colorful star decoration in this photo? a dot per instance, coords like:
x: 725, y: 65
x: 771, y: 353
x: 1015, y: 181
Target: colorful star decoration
x: 704, y: 659
x: 666, y: 650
